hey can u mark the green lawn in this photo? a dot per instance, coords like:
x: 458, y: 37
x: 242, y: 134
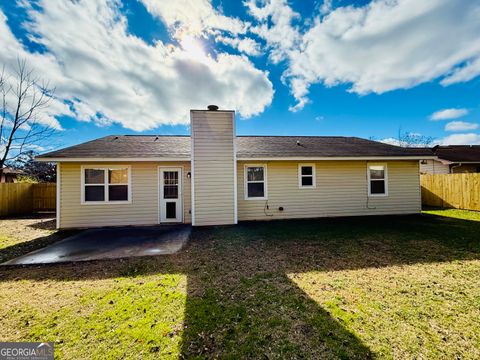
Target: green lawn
x: 378, y: 287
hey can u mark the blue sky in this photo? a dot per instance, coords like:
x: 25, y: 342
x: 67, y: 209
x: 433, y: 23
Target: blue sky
x: 339, y: 67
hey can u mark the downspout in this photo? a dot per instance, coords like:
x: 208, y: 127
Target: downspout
x: 454, y: 166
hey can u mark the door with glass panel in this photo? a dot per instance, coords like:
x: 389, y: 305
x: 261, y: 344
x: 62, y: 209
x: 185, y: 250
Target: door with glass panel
x: 170, y: 202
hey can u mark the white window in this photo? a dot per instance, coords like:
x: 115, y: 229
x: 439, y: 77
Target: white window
x: 306, y: 176
x: 377, y: 180
x: 255, y: 182
x: 109, y: 184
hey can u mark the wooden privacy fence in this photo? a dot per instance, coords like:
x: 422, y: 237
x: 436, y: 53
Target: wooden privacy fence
x: 460, y: 191
x: 21, y: 199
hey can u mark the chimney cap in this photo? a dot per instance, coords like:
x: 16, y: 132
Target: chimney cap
x: 212, y: 107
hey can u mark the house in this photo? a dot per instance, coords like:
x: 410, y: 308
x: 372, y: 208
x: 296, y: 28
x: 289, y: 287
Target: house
x: 214, y: 177
x: 9, y: 175
x: 452, y: 159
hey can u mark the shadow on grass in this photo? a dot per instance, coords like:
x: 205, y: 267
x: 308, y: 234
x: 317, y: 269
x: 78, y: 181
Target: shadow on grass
x: 25, y: 247
x: 259, y: 315
x: 44, y: 223
x: 240, y: 301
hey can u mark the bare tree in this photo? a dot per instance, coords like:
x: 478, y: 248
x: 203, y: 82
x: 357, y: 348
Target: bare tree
x: 409, y: 139
x: 23, y: 98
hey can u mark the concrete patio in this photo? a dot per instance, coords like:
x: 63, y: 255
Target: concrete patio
x: 110, y: 243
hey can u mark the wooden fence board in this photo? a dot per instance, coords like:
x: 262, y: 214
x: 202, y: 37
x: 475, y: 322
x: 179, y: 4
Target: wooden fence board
x: 25, y: 198
x: 44, y: 197
x: 461, y: 191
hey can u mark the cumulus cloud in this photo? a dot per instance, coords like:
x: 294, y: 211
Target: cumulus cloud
x: 12, y: 52
x: 409, y: 139
x: 193, y: 17
x: 388, y: 45
x: 104, y: 74
x: 395, y: 142
x: 460, y: 126
x: 245, y: 45
x: 326, y: 7
x: 447, y: 114
x: 274, y: 24
x: 461, y: 139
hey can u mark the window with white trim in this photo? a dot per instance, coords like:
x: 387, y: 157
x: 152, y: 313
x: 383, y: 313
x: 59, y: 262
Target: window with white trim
x: 306, y: 176
x: 255, y: 182
x: 377, y: 180
x: 105, y: 184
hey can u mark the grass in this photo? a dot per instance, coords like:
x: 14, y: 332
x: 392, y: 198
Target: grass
x: 22, y: 235
x: 386, y: 287
x: 455, y: 213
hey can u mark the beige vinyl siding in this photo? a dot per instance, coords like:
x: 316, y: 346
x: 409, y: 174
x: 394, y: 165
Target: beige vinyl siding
x: 143, y: 209
x: 341, y: 190
x: 213, y: 157
x: 434, y: 167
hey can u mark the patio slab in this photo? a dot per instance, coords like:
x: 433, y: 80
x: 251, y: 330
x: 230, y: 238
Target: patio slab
x: 110, y: 243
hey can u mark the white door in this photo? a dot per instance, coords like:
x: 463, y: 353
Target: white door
x: 170, y: 202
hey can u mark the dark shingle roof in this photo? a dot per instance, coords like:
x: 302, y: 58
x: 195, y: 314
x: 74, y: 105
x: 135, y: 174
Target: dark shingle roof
x: 151, y: 146
x: 9, y: 170
x: 317, y: 146
x: 458, y: 153
x: 127, y: 146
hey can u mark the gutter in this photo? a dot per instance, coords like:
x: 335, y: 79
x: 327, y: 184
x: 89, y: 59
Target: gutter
x: 293, y: 158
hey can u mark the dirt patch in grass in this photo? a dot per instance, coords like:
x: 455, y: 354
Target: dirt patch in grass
x: 19, y: 236
x: 385, y: 287
x: 25, y: 229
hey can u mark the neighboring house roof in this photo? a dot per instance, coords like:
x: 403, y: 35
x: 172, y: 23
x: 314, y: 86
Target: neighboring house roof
x: 9, y: 170
x: 458, y: 153
x: 248, y: 147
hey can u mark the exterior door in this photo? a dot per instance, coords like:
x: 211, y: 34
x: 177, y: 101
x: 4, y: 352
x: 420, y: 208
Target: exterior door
x: 170, y: 202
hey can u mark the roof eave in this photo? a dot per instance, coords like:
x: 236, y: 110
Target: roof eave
x: 338, y: 158
x: 107, y: 159
x: 239, y: 158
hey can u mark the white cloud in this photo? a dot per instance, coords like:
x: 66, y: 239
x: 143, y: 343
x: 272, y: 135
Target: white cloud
x: 109, y: 75
x: 461, y: 139
x: 193, y: 17
x: 12, y: 52
x: 245, y: 45
x: 393, y: 141
x: 397, y: 142
x: 447, y: 114
x: 463, y: 74
x: 460, y: 126
x: 275, y: 26
x: 326, y: 7
x: 388, y: 45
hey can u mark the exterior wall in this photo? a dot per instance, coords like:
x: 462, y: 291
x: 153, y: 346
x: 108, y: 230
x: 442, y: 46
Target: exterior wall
x: 434, y: 167
x: 213, y: 167
x: 341, y: 190
x: 143, y: 210
x: 466, y: 168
